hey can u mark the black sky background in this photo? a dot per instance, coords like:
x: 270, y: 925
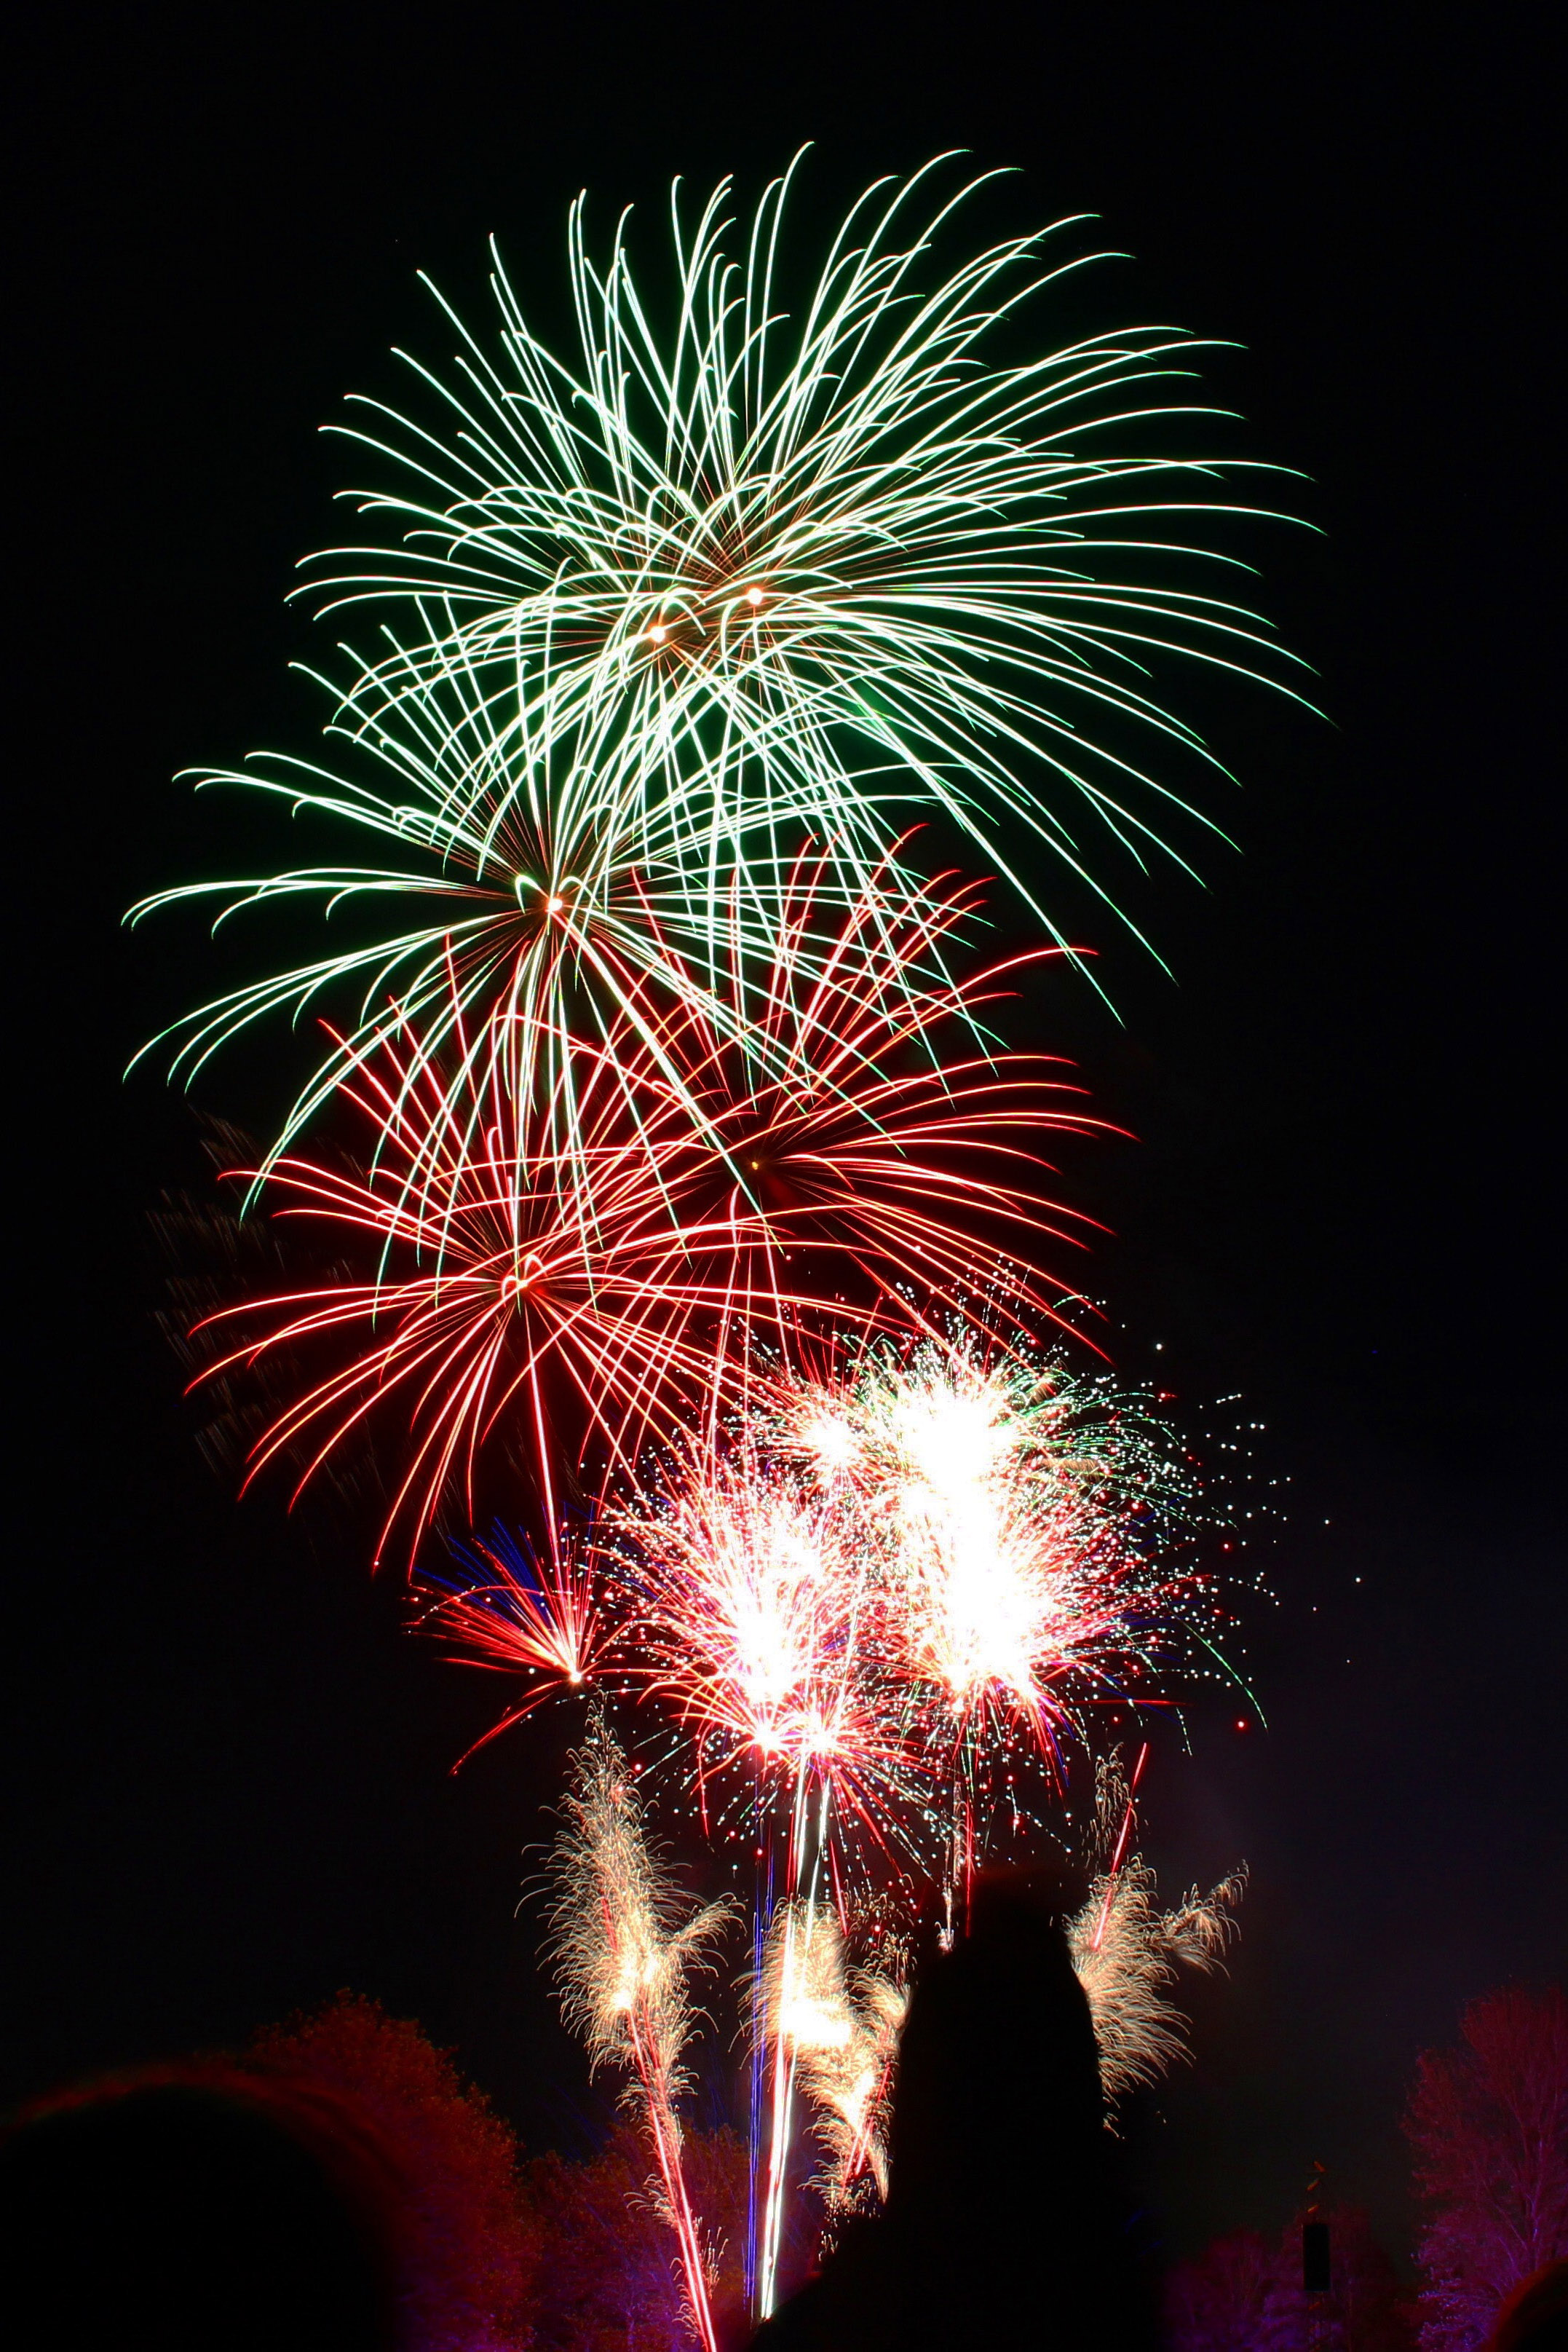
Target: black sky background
x: 227, y: 1787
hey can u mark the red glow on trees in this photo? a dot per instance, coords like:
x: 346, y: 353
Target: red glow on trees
x: 1488, y: 2125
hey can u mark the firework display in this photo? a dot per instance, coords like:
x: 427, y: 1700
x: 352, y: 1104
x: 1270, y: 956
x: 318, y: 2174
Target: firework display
x: 508, y: 1609
x: 863, y: 1623
x: 1128, y: 1954
x: 624, y: 1959
x: 839, y: 2029
x: 589, y: 1291
x: 812, y: 562
x: 670, y: 1195
x: 886, y: 1584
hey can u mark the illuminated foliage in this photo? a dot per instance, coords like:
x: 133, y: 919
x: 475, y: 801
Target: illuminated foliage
x: 1489, y: 2125
x: 462, y: 2244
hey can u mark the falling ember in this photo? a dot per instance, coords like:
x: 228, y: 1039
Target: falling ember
x: 1118, y: 1851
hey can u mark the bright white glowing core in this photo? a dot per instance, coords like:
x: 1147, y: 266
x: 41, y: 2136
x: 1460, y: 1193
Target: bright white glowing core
x: 831, y: 1439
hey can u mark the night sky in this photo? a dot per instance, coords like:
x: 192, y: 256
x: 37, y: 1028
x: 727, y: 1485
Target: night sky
x: 227, y: 1791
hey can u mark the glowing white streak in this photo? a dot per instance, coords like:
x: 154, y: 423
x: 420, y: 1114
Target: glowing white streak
x: 992, y: 1524
x: 798, y: 1916
x: 841, y: 2028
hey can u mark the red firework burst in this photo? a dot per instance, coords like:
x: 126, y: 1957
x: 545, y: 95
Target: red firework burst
x: 867, y: 1139
x: 591, y: 1292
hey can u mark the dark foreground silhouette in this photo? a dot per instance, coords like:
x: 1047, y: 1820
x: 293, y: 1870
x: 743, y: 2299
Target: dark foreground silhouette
x: 185, y: 2214
x: 1535, y: 2317
x: 1001, y: 2226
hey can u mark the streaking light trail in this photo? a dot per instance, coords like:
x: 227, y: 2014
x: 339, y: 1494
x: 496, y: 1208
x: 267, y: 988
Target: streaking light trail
x: 662, y: 1184
x: 589, y: 1293
x: 623, y: 1957
x: 809, y: 560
